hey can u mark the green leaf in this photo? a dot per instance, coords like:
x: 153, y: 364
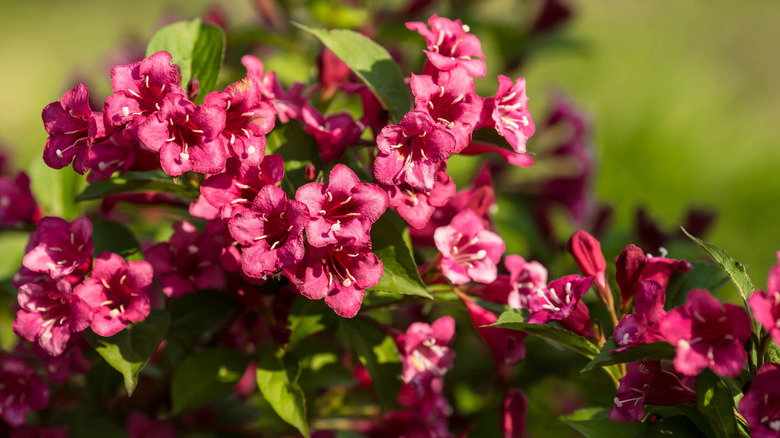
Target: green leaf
x: 196, y: 47
x: 55, y: 190
x: 195, y: 316
x: 651, y: 351
x: 90, y: 426
x: 732, y: 267
x: 514, y: 319
x: 716, y: 404
x: 700, y: 276
x: 134, y: 182
x: 114, y: 237
x: 306, y: 318
x: 593, y: 423
x: 281, y: 390
x: 400, y: 271
x: 129, y: 350
x: 491, y: 137
x: 205, y: 377
x: 376, y: 352
x: 372, y: 63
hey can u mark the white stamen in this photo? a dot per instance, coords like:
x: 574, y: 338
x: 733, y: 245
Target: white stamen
x: 251, y: 150
x: 59, y: 153
x: 105, y: 283
x: 683, y: 344
x: 197, y: 131
x: 466, y: 28
x: 248, y: 114
x: 192, y: 249
x: 113, y: 313
x: 661, y: 250
x: 232, y: 139
x: 5, y: 201
x: 184, y: 156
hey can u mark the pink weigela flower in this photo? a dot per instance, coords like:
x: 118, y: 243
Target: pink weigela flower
x: 766, y: 305
x: 509, y: 113
x: 139, y: 89
x: 21, y: 390
x: 647, y: 383
x: 187, y: 136
x: 17, y: 203
x: 271, y: 232
x: 49, y: 313
x: 417, y: 207
x: 514, y: 412
x: 760, y: 404
x: 338, y: 273
x: 249, y: 119
x: 333, y: 133
x: 72, y: 127
x: 468, y: 250
x: 412, y: 151
x: 707, y: 334
x: 425, y: 352
x: 344, y: 210
x: 561, y: 301
x: 115, y: 153
x: 60, y: 248
x: 450, y: 45
x: 117, y: 292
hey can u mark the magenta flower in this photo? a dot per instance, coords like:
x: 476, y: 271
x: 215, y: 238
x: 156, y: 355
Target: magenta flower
x: 333, y: 133
x: 115, y: 153
x: 234, y: 190
x: 412, y: 151
x: 21, y: 390
x: 468, y: 250
x: 761, y: 404
x: 139, y: 89
x: 561, y: 301
x: 450, y: 45
x: 647, y: 383
x: 707, y: 334
x: 586, y: 251
x: 249, y: 119
x: 17, y: 203
x: 417, y: 207
x: 140, y: 426
x: 72, y: 127
x: 40, y: 432
x: 514, y: 411
x: 71, y: 361
x: 271, y: 232
x: 642, y: 326
x: 288, y: 104
x: 766, y: 305
x: 117, y: 292
x: 190, y: 261
x: 338, y: 273
x: 49, y: 313
x: 633, y: 267
x: 525, y: 278
x: 60, y: 248
x: 187, y: 136
x: 344, y: 210
x: 425, y: 352
x: 509, y: 113
x: 507, y: 344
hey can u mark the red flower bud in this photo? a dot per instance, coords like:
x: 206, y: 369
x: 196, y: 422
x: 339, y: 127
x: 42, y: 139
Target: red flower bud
x: 586, y: 251
x: 629, y: 264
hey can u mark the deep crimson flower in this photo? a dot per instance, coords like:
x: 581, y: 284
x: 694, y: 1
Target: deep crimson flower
x: 17, y: 203
x: 140, y: 426
x: 586, y: 251
x: 509, y: 114
x: 507, y: 344
x: 140, y: 88
x: 707, y: 334
x: 288, y: 104
x: 338, y: 273
x: 412, y: 151
x: 766, y: 305
x: 450, y: 45
x: 234, y: 190
x: 344, y: 210
x: 525, y: 278
x: 72, y: 360
x: 468, y: 250
x: 561, y: 301
x: 21, y: 391
x: 114, y: 153
x: 59, y: 247
x: 417, y: 207
x: 425, y: 352
x: 49, y: 313
x: 117, y: 292
x: 39, y: 432
x: 642, y: 326
x: 72, y: 127
x: 513, y: 414
x: 647, y: 383
x: 761, y: 404
x: 248, y: 119
x: 333, y: 133
x: 634, y: 267
x: 271, y: 232
x: 187, y: 136
x: 189, y: 261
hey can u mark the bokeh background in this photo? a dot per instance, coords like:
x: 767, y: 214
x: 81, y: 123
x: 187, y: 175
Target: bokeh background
x: 684, y: 96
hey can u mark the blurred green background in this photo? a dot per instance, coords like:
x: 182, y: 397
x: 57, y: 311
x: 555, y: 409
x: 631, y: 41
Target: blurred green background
x: 684, y: 96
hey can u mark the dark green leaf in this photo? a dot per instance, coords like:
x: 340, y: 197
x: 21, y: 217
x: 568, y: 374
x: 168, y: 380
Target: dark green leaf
x: 400, y: 271
x: 114, y: 237
x: 514, y: 319
x: 129, y: 350
x: 307, y: 317
x: 684, y: 410
x: 134, y: 182
x: 195, y: 316
x: 716, y: 404
x: 700, y: 276
x: 377, y: 353
x: 196, y: 47
x: 651, y: 351
x: 280, y: 389
x: 593, y: 423
x: 678, y: 426
x: 205, y: 377
x: 371, y: 63
x: 298, y: 148
x: 91, y: 426
x: 732, y: 267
